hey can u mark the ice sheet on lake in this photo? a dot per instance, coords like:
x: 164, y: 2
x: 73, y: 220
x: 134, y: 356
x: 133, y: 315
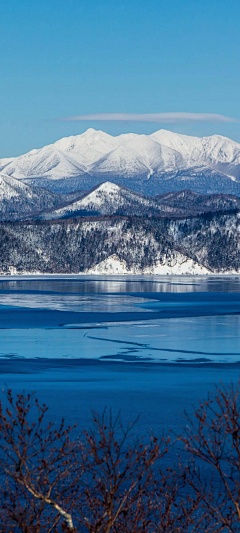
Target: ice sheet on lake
x: 198, y: 340
x: 193, y: 339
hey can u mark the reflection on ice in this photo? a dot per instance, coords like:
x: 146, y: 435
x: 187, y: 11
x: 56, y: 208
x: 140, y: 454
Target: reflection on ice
x: 145, y: 338
x: 73, y: 302
x: 83, y: 284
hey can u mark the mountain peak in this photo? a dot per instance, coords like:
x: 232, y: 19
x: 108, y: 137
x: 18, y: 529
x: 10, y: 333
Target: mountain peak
x: 90, y: 131
x: 108, y: 186
x: 207, y: 164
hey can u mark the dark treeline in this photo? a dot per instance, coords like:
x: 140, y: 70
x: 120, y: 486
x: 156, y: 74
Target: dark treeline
x: 108, y: 479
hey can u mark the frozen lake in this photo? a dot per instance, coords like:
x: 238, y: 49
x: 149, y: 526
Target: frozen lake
x: 143, y: 345
x: 171, y: 320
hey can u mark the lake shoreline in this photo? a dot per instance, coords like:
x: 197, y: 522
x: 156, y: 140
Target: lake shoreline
x: 122, y: 276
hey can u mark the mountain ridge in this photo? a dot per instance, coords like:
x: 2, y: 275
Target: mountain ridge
x: 20, y: 201
x: 150, y: 164
x: 113, y: 199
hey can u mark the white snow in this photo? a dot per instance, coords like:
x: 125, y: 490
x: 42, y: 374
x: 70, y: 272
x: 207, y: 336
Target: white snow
x: 96, y: 153
x: 105, y: 199
x: 183, y: 265
x: 11, y: 187
x: 18, y: 199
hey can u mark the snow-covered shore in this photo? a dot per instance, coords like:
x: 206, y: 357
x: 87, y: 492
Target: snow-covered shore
x: 112, y: 266
x: 184, y: 266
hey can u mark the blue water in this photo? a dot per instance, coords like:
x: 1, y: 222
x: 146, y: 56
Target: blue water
x: 143, y: 345
x: 175, y: 320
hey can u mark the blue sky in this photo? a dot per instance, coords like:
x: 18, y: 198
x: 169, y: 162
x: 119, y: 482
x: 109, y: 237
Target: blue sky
x: 76, y: 57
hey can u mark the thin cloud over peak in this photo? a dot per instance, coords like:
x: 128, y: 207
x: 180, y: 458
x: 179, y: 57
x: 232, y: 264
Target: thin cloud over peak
x: 167, y: 118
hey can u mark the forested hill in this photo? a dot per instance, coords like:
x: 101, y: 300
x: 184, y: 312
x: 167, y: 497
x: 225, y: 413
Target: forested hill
x: 199, y: 244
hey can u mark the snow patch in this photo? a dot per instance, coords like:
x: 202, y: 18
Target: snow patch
x: 183, y: 265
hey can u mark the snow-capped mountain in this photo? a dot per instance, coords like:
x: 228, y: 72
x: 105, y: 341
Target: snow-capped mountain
x: 140, y: 156
x: 150, y: 164
x: 108, y: 199
x: 113, y: 199
x: 18, y: 200
x: 216, y: 152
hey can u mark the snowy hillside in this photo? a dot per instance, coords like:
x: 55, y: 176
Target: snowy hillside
x: 112, y: 199
x: 198, y: 245
x: 18, y: 200
x: 108, y: 199
x: 216, y: 152
x: 180, y: 264
x: 151, y: 164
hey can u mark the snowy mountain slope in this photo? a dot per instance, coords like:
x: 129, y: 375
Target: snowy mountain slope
x: 139, y: 156
x: 88, y: 147
x: 108, y: 199
x: 47, y: 161
x: 216, y: 152
x: 150, y: 163
x: 4, y: 162
x: 18, y: 200
x: 112, y: 199
x: 121, y: 160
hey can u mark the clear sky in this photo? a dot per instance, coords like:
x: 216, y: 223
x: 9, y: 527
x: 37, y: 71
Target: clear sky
x: 61, y: 58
